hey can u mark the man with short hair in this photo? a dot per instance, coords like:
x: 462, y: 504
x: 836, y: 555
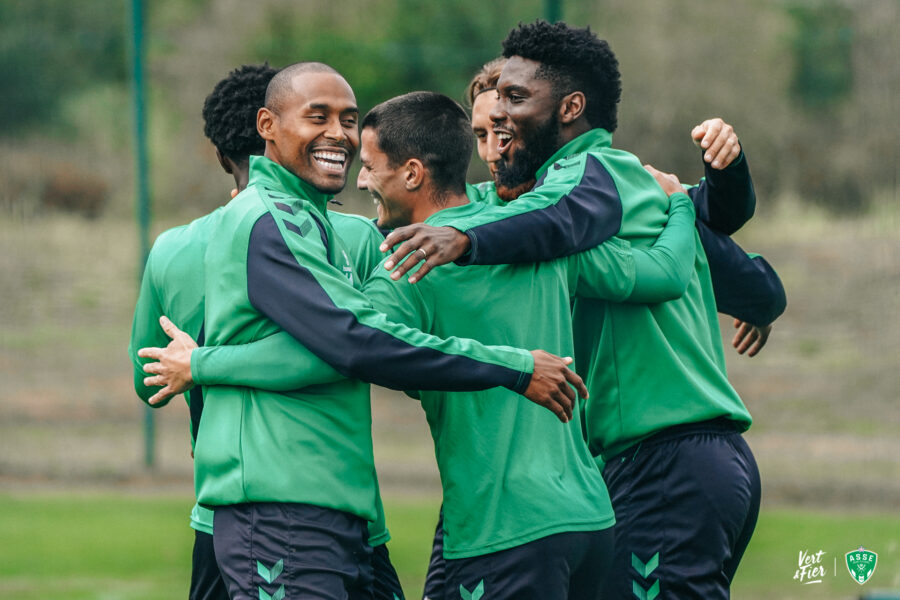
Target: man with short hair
x: 661, y: 413
x: 275, y: 262
x: 504, y: 466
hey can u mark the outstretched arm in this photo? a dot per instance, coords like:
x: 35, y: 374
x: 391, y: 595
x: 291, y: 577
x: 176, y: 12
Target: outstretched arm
x: 277, y: 362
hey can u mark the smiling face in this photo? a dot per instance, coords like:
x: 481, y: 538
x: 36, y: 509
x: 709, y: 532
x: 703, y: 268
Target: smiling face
x: 313, y: 132
x: 526, y: 122
x: 486, y: 141
x: 393, y: 202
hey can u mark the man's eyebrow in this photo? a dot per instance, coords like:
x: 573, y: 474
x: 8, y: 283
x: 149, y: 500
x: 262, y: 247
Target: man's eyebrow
x: 327, y: 107
x: 511, y: 87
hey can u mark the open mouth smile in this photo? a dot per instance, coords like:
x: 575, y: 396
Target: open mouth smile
x: 333, y: 161
x: 504, y: 139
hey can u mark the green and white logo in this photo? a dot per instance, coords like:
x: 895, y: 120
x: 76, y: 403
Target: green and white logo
x: 861, y: 564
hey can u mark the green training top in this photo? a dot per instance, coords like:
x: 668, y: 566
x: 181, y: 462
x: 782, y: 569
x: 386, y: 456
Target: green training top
x: 646, y: 367
x: 275, y: 262
x: 506, y: 463
x: 172, y: 285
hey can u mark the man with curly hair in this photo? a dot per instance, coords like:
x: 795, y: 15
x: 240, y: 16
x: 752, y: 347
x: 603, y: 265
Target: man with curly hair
x: 173, y: 284
x: 661, y: 416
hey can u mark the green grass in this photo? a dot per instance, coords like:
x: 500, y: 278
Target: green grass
x: 129, y: 547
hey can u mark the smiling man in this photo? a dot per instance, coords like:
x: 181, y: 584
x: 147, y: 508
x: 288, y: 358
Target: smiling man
x: 505, y: 466
x: 290, y: 473
x: 661, y: 415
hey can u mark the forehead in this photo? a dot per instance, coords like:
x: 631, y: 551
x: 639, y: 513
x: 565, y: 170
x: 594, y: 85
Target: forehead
x: 482, y: 106
x: 520, y: 72
x: 369, y: 149
x: 321, y: 89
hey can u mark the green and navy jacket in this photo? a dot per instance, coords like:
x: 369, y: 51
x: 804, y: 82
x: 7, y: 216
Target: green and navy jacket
x: 647, y: 367
x: 275, y: 263
x: 173, y: 285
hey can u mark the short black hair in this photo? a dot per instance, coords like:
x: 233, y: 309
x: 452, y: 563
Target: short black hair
x: 229, y: 112
x: 281, y: 83
x: 572, y: 59
x: 430, y: 127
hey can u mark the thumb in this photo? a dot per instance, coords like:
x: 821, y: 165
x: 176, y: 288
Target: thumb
x: 168, y: 326
x: 697, y: 133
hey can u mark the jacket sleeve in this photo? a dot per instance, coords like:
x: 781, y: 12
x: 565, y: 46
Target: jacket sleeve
x: 146, y: 331
x: 725, y: 198
x: 663, y: 271
x: 746, y: 286
x: 291, y: 281
x: 574, y: 207
x: 278, y: 363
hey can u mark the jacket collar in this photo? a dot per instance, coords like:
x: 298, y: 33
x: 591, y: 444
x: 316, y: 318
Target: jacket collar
x: 268, y: 173
x: 595, y: 138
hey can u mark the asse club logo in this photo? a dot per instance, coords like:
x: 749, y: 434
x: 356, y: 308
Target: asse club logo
x: 861, y: 564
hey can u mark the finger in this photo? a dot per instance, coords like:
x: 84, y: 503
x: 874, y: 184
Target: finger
x: 154, y: 381
x: 234, y: 192
x: 421, y: 272
x: 713, y: 126
x: 756, y: 347
x: 743, y: 330
x: 748, y: 341
x: 575, y: 380
x: 160, y: 396
x: 401, y: 234
x: 726, y: 153
x: 153, y: 367
x: 651, y: 169
x: 403, y: 268
x: 557, y: 410
x: 716, y: 144
x: 697, y: 133
x: 168, y: 326
x: 155, y: 353
x: 403, y: 250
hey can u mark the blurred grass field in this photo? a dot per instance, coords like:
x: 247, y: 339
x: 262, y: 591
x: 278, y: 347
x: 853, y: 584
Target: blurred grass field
x: 822, y: 393
x: 132, y: 546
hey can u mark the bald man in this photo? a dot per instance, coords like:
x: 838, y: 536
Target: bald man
x: 290, y: 473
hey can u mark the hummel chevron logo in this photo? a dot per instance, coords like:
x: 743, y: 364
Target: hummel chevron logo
x: 644, y: 569
x: 642, y: 594
x: 279, y: 595
x: 272, y: 574
x: 475, y: 594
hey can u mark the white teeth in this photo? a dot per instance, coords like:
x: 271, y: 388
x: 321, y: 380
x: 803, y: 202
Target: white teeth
x: 330, y: 156
x: 504, y: 137
x: 330, y: 161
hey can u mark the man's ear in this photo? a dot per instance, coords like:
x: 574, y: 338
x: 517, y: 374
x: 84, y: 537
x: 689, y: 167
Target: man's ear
x: 414, y: 174
x: 224, y: 162
x: 265, y: 123
x: 571, y: 107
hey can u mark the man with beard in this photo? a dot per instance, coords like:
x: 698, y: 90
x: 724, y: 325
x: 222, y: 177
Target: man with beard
x: 744, y: 284
x: 661, y: 416
x: 504, y: 466
x: 288, y: 466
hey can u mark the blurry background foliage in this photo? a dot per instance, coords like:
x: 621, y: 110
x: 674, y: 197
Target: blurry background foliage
x: 809, y: 84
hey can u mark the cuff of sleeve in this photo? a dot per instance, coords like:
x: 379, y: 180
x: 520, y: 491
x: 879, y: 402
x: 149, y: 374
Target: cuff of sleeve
x: 197, y: 364
x: 525, y: 374
x: 469, y: 257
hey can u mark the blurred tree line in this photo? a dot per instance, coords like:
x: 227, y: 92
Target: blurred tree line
x: 810, y: 85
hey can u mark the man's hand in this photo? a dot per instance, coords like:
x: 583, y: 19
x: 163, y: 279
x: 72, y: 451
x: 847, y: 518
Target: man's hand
x: 719, y: 141
x: 173, y: 371
x: 667, y: 181
x: 432, y: 246
x: 750, y: 337
x: 549, y: 386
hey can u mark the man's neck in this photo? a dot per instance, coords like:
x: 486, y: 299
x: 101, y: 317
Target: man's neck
x: 437, y: 204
